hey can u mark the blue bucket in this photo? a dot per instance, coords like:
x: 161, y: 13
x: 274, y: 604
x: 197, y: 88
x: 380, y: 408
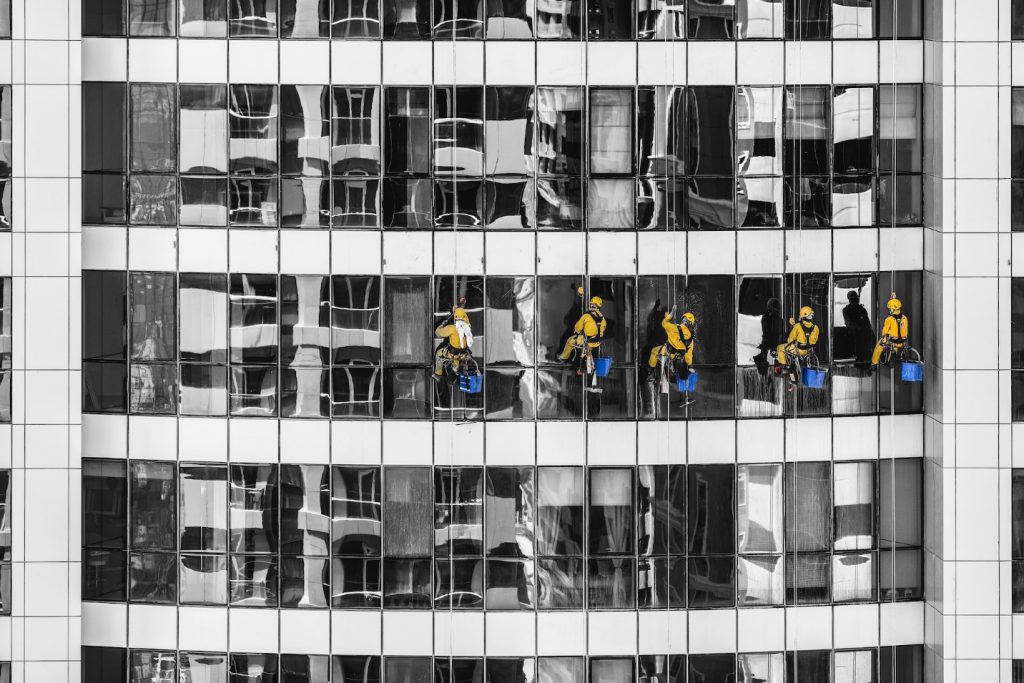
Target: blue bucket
x: 471, y: 384
x: 689, y: 384
x: 912, y: 371
x: 602, y: 366
x: 813, y: 378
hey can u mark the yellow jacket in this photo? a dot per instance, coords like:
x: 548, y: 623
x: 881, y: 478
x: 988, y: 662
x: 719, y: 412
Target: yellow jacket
x: 894, y: 330
x: 803, y: 337
x: 591, y: 324
x: 680, y: 337
x: 451, y: 333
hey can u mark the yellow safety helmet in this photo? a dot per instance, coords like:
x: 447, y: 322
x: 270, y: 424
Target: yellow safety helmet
x: 596, y: 302
x: 895, y: 305
x: 807, y: 313
x: 460, y: 314
x: 689, y: 319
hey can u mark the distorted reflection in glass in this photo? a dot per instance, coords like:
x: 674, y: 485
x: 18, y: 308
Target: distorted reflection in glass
x: 305, y: 510
x: 203, y: 142
x: 153, y: 338
x: 362, y: 668
x: 254, y: 509
x: 561, y: 670
x: 203, y: 19
x: 252, y: 581
x: 759, y: 535
x: 806, y: 158
x: 711, y: 21
x: 856, y: 20
x: 151, y: 18
x: 253, y: 18
x: 853, y: 150
x: 305, y: 582
x: 406, y: 19
x: 853, y: 340
x: 305, y: 18
x: 355, y: 19
x: 762, y: 668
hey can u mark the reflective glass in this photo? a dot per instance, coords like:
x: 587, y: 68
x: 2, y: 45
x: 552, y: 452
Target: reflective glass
x: 305, y: 510
x: 203, y: 141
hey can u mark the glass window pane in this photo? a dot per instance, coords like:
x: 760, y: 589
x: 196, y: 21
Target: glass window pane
x: 408, y: 323
x: 900, y: 502
x: 854, y: 500
x: 203, y: 508
x: 253, y: 580
x: 561, y: 670
x: 203, y: 306
x: 104, y: 664
x: 153, y: 577
x: 611, y: 511
x: 153, y: 200
x: 356, y: 19
x: 760, y: 504
x: 356, y: 582
x: 153, y: 317
x: 203, y: 142
x: 509, y: 511
x: 762, y: 668
x: 560, y: 510
x: 305, y: 18
x: 154, y: 389
x: 306, y: 668
x: 103, y: 578
x: 254, y: 508
x: 253, y: 119
x: 711, y: 144
x: 154, y: 123
x: 253, y: 18
x: 711, y: 508
x: 204, y: 19
x: 355, y: 318
x: 356, y: 511
x: 204, y: 389
x: 104, y: 505
x: 611, y: 670
x: 153, y: 505
x: 99, y: 18
x: 408, y: 512
x: 899, y: 128
x: 808, y: 666
x: 458, y: 511
x: 202, y: 667
x: 151, y: 666
x: 305, y: 510
x: 808, y: 506
x: 407, y: 122
x: 305, y: 129
x: 204, y: 202
x: 760, y: 580
x: 718, y: 668
x: 359, y: 669
x: 105, y: 307
x: 103, y: 126
x: 253, y: 305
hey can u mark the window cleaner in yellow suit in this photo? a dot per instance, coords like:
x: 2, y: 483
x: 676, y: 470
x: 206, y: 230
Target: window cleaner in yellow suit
x: 456, y: 342
x: 799, y: 345
x: 895, y: 331
x: 677, y: 351
x: 585, y: 340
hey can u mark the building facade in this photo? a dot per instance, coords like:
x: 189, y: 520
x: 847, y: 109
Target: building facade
x: 248, y: 445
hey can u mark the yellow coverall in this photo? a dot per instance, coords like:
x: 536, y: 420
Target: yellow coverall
x: 894, y: 335
x: 801, y: 340
x: 588, y: 331
x: 453, y: 348
x: 680, y: 338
